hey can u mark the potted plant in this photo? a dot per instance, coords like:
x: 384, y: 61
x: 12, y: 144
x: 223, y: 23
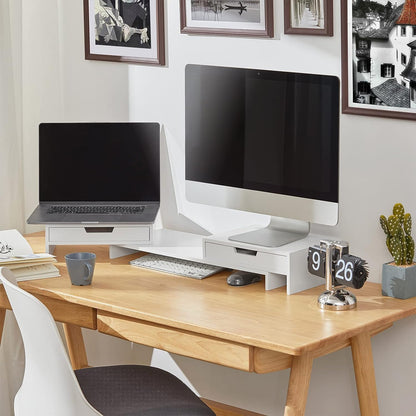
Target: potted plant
x: 399, y: 276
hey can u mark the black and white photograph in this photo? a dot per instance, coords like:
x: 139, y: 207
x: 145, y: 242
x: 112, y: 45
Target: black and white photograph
x: 234, y: 17
x: 229, y: 11
x: 124, y: 30
x: 309, y: 17
x: 379, y: 49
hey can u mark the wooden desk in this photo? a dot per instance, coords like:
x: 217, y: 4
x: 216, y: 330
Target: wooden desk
x: 246, y: 328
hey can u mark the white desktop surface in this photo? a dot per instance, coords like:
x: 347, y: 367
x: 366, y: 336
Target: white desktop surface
x: 173, y: 243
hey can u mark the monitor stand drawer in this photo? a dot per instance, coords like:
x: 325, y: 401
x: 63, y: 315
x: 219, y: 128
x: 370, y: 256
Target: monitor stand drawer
x: 99, y: 234
x: 235, y: 257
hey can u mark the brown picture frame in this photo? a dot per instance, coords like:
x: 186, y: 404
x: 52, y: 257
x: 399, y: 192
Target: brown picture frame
x: 265, y: 28
x: 322, y: 26
x: 355, y: 87
x: 121, y: 50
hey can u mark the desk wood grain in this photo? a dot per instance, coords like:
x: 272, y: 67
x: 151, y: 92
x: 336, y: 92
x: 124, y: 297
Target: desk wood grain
x: 186, y: 343
x: 248, y: 315
x: 62, y: 311
x: 209, y: 320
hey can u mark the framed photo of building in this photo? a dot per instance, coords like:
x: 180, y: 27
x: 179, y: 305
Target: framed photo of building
x: 379, y: 58
x: 125, y: 31
x: 309, y: 17
x: 227, y: 17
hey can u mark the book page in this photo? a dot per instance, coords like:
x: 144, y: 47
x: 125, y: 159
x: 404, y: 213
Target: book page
x: 13, y: 243
x: 36, y: 272
x: 14, y: 248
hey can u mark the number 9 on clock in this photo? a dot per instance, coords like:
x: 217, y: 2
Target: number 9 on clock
x: 316, y: 261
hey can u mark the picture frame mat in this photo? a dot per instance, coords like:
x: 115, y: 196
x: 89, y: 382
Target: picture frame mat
x: 348, y: 105
x: 145, y: 53
x: 264, y: 28
x: 225, y: 24
x: 327, y: 30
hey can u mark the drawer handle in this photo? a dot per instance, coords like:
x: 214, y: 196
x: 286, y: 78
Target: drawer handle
x: 246, y: 251
x: 99, y: 229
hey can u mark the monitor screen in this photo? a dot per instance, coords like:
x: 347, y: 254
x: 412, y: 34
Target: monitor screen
x: 99, y: 162
x: 263, y: 130
x: 263, y: 141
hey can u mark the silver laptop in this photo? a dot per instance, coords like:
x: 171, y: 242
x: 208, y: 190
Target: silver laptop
x: 98, y: 173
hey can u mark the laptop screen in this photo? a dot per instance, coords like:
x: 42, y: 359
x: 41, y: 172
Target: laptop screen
x: 111, y: 162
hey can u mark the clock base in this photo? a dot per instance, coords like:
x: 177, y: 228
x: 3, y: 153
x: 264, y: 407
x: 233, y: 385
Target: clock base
x: 337, y: 300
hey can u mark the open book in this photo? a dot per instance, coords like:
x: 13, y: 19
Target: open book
x: 17, y: 255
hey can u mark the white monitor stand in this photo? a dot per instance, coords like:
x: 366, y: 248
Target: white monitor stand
x: 279, y: 232
x: 285, y: 265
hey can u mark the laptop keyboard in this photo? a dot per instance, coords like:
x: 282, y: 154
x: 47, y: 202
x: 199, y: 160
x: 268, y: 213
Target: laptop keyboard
x: 98, y: 209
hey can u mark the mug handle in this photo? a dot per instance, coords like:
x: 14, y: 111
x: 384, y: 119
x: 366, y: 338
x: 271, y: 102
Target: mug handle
x: 90, y: 271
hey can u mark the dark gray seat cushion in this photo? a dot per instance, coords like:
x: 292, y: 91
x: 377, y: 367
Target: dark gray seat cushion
x: 135, y: 390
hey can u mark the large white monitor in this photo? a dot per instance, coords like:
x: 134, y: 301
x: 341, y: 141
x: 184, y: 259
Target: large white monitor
x: 264, y: 142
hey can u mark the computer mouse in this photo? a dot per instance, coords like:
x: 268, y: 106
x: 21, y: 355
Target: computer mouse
x: 242, y: 278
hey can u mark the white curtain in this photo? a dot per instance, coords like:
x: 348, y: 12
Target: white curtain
x: 11, y: 185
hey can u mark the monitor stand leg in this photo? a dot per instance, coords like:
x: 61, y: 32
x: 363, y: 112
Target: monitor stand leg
x: 279, y: 232
x: 118, y: 251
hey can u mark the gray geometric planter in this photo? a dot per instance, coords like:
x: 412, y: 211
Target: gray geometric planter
x: 399, y: 281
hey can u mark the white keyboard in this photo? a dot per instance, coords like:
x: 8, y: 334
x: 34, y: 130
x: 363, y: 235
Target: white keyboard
x: 176, y: 266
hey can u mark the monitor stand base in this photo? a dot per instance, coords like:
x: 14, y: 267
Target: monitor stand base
x: 279, y: 232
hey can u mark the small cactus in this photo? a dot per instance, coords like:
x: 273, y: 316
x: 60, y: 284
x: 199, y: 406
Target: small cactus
x: 398, y: 228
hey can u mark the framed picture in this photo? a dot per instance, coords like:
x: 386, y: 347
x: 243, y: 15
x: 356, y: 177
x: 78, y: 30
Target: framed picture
x: 125, y: 31
x: 378, y: 58
x: 227, y: 17
x: 309, y: 17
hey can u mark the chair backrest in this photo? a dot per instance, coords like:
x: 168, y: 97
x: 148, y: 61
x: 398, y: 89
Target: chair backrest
x: 49, y: 386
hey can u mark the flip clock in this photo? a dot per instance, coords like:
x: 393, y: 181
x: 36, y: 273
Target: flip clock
x: 331, y: 261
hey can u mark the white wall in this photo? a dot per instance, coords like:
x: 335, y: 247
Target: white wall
x: 377, y: 170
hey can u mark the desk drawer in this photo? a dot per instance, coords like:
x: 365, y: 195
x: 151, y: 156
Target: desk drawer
x: 177, y: 341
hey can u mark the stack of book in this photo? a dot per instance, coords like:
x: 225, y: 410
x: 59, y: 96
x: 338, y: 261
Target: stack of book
x: 17, y: 255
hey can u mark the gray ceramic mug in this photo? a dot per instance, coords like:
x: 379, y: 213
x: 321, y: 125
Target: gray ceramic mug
x: 80, y: 268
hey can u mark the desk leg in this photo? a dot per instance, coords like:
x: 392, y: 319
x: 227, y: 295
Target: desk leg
x: 297, y: 394
x: 76, y: 347
x: 2, y: 318
x: 364, y: 374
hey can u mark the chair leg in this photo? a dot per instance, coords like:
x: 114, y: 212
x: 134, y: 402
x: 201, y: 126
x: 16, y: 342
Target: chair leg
x: 76, y: 346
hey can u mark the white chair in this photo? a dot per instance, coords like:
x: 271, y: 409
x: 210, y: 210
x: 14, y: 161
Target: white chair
x: 51, y: 388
